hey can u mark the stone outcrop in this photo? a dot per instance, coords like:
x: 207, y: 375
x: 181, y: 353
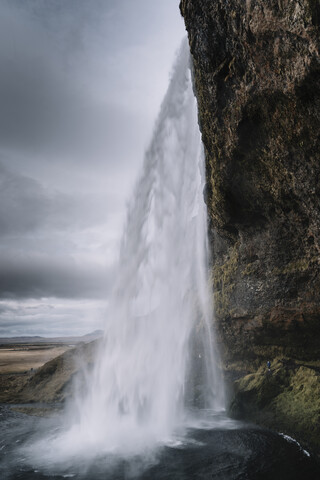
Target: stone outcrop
x: 257, y: 80
x: 285, y: 398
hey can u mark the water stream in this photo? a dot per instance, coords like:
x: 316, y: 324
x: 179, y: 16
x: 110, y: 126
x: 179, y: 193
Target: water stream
x: 158, y: 331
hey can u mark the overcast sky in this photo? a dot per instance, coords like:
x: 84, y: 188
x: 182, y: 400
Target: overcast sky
x: 81, y: 83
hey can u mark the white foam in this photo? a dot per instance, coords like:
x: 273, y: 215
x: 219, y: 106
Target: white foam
x: 292, y: 440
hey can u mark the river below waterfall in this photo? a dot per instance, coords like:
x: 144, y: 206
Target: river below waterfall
x: 217, y: 448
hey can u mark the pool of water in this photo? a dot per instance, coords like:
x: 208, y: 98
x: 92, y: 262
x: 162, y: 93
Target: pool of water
x: 213, y: 448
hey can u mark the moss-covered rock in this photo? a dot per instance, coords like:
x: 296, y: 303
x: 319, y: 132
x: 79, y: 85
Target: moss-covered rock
x: 287, y: 398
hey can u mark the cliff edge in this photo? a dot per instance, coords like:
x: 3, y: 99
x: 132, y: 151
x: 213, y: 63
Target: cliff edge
x: 257, y: 78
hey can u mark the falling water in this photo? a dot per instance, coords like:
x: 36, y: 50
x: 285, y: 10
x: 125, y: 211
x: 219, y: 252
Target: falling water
x: 138, y: 387
x: 156, y: 359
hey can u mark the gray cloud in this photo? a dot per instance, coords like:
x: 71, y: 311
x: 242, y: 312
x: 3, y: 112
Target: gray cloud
x: 42, y: 277
x: 25, y: 206
x: 61, y: 318
x: 23, y: 203
x: 62, y: 82
x: 45, y: 103
x: 80, y: 86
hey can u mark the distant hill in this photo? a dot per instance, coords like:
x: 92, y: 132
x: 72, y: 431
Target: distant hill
x: 65, y: 340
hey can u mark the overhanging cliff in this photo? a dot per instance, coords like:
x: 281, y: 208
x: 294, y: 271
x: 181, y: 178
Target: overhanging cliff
x: 257, y: 80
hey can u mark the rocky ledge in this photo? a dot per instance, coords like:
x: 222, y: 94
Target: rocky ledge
x: 257, y: 80
x: 286, y: 397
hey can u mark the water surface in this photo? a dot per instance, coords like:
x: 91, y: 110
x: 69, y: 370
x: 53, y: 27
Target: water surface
x: 218, y: 448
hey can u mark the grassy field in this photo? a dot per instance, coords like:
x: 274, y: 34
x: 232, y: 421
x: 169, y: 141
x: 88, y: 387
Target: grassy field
x: 22, y: 358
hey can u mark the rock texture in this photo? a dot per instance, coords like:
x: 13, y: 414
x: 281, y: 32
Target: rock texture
x: 257, y: 80
x: 285, y: 398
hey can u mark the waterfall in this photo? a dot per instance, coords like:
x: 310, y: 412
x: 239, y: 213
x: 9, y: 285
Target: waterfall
x: 156, y: 359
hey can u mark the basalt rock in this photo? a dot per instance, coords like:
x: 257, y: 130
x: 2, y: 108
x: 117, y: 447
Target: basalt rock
x: 257, y: 81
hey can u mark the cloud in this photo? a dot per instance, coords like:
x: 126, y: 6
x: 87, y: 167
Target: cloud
x: 26, y: 206
x: 79, y: 80
x: 23, y: 203
x: 51, y: 317
x: 38, y: 254
x: 46, y: 98
x: 40, y: 276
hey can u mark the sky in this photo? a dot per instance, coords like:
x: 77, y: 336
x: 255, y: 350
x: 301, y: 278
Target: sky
x: 81, y: 83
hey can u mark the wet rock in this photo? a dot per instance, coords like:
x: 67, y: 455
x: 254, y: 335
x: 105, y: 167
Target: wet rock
x: 286, y: 397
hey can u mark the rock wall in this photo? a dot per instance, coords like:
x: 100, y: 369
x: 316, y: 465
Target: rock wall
x: 256, y: 70
x: 257, y: 80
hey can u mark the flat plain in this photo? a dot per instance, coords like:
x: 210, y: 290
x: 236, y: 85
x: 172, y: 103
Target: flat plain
x: 22, y: 358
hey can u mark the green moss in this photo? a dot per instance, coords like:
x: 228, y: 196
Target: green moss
x: 223, y: 280
x: 300, y: 265
x: 288, y: 397
x: 302, y: 397
x: 224, y: 274
x: 266, y: 386
x: 300, y: 402
x: 295, y: 266
x: 249, y: 269
x: 222, y: 300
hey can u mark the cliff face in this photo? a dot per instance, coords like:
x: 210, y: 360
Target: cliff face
x: 257, y: 79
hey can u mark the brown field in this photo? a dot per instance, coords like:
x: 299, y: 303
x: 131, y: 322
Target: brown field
x: 23, y: 358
